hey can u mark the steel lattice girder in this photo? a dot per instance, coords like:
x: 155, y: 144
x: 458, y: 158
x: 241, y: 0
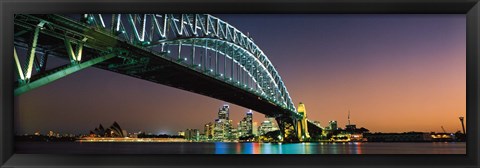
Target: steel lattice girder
x: 180, y: 30
x: 72, y: 68
x: 157, y: 29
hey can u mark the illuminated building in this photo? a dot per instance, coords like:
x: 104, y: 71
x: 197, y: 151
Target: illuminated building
x: 208, y: 130
x: 223, y: 125
x: 220, y: 130
x: 274, y: 123
x: 255, y: 129
x: 181, y: 133
x: 242, y: 128
x: 192, y: 134
x: 265, y: 127
x: 113, y: 131
x: 332, y: 125
x: 223, y: 113
x: 249, y: 124
x: 245, y: 127
x: 442, y: 137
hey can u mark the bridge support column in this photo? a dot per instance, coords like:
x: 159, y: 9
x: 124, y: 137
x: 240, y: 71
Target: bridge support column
x: 287, y: 127
x: 302, y: 127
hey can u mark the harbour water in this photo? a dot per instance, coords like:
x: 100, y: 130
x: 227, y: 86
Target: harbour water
x: 239, y: 148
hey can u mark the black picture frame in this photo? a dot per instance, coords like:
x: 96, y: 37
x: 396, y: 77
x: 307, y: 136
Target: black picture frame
x: 471, y: 8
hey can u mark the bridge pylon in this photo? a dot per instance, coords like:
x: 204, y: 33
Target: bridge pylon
x: 302, y: 125
x: 288, y: 128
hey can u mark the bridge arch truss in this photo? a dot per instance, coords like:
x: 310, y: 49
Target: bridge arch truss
x: 201, y: 42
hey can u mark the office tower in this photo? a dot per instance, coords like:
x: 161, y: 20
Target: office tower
x: 249, y: 123
x: 192, y: 134
x: 273, y: 122
x: 245, y: 127
x: 265, y: 127
x: 208, y: 130
x: 218, y: 132
x: 223, y: 112
x: 255, y: 129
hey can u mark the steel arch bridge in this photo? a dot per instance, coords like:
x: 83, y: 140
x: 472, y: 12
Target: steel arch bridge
x: 195, y: 52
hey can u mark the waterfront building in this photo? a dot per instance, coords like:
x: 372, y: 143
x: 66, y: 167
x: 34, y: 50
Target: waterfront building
x: 222, y: 130
x: 265, y: 127
x: 274, y: 123
x: 442, y: 137
x: 351, y: 128
x: 249, y: 123
x: 332, y: 125
x: 208, y: 130
x: 192, y: 134
x: 223, y: 112
x: 242, y: 128
x: 255, y: 129
x: 245, y: 127
x: 181, y: 133
x: 113, y: 131
x: 398, y: 137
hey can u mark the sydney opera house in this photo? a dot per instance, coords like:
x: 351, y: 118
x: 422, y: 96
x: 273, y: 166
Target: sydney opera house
x: 113, y: 131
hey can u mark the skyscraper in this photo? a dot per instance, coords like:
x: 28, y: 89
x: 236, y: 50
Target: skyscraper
x: 255, y: 129
x: 223, y: 113
x: 249, y: 123
x: 245, y: 127
x: 265, y: 127
x: 192, y: 134
x: 223, y: 125
x: 208, y: 130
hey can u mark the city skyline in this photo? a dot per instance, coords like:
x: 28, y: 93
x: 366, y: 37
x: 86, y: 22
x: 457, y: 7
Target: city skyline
x: 330, y: 82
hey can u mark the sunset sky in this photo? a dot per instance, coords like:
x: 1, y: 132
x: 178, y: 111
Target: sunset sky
x: 395, y: 73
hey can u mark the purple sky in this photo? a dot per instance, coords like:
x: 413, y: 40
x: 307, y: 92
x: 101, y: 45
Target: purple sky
x: 394, y: 72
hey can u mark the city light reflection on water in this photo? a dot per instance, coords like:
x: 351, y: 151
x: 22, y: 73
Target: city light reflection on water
x: 238, y: 148
x: 340, y: 148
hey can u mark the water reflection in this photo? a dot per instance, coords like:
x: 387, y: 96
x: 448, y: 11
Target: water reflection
x: 339, y: 148
x: 240, y: 148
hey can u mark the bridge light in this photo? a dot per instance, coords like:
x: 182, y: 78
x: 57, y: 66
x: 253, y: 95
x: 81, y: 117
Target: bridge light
x: 146, y: 43
x: 199, y: 65
x: 221, y: 74
x: 168, y: 51
x: 123, y: 31
x: 211, y: 70
x: 185, y: 59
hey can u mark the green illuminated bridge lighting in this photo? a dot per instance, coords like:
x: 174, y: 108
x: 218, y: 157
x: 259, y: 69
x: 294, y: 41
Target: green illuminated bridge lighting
x: 194, y: 52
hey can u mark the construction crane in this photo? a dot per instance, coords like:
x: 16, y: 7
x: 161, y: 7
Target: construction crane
x: 444, y: 130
